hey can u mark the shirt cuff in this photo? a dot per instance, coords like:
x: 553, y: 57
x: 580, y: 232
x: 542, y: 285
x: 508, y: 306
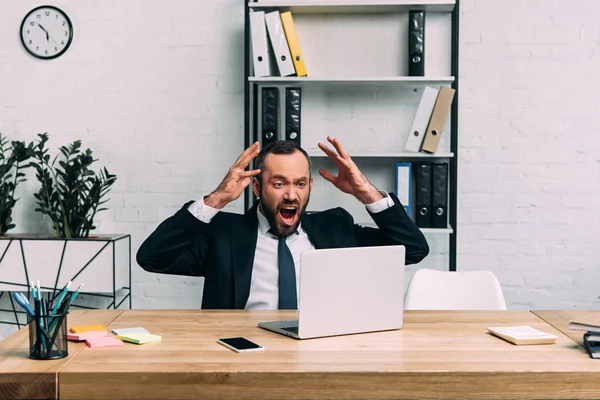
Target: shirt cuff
x: 201, y: 211
x: 382, y: 204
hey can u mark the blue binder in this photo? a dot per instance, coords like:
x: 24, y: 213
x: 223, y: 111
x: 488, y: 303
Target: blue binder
x: 404, y: 185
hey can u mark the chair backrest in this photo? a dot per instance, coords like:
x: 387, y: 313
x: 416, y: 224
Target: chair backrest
x: 430, y: 289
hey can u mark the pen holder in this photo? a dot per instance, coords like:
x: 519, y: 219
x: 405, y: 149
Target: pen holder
x: 48, y: 337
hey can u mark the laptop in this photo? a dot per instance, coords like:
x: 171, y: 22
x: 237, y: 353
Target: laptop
x: 347, y: 291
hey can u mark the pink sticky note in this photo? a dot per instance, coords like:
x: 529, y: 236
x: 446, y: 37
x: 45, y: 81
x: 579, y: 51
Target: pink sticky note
x: 78, y: 337
x: 108, y: 341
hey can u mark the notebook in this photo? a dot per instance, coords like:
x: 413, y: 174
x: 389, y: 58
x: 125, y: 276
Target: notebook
x: 108, y: 341
x: 346, y: 291
x: 87, y: 328
x: 139, y: 337
x: 590, y: 322
x: 123, y: 331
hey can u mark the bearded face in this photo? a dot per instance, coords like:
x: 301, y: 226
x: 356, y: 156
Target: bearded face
x: 284, y: 191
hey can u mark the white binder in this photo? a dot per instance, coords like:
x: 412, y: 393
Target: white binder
x: 419, y: 125
x: 279, y: 43
x: 261, y: 53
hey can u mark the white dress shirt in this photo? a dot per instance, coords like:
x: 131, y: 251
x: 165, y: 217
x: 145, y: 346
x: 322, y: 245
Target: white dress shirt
x: 264, y: 293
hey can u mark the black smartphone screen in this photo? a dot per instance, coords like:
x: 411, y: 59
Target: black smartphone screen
x: 240, y: 343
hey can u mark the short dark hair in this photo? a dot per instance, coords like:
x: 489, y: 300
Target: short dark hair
x: 279, y: 147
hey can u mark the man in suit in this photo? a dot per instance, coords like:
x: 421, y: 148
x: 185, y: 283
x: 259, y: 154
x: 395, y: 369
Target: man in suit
x: 251, y: 261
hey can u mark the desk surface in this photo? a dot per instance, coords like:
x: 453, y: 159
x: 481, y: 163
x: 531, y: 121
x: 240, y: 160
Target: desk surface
x: 22, y: 378
x: 438, y: 354
x: 560, y: 320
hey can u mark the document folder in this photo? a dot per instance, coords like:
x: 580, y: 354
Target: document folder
x: 419, y: 125
x: 416, y: 43
x: 403, y: 185
x: 423, y: 195
x: 293, y: 100
x: 279, y: 43
x: 439, y: 198
x: 589, y: 322
x: 270, y: 115
x: 293, y: 43
x: 438, y: 120
x: 261, y: 52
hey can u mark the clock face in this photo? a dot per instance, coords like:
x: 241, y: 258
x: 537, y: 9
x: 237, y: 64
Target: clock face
x: 46, y: 32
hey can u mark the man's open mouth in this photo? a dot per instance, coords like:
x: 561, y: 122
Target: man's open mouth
x: 288, y: 214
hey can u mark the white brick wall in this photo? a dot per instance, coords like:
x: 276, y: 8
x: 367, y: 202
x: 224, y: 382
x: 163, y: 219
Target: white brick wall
x: 154, y: 87
x: 528, y: 171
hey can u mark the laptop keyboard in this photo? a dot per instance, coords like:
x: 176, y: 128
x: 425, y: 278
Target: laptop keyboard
x: 293, y: 329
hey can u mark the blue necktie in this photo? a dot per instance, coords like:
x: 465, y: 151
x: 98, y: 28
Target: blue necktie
x: 287, y: 277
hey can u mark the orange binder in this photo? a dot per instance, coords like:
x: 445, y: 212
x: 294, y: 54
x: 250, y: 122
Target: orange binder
x: 440, y: 112
x: 293, y: 43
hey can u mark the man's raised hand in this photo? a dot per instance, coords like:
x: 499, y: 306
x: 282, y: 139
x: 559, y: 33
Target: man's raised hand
x: 349, y: 179
x: 236, y: 180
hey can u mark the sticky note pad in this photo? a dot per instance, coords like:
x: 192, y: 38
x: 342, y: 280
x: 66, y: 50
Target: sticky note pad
x: 124, y: 331
x: 108, y: 341
x: 139, y: 337
x: 87, y: 328
x: 78, y: 337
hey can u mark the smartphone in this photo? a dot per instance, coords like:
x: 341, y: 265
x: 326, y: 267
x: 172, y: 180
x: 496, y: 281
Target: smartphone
x: 240, y: 344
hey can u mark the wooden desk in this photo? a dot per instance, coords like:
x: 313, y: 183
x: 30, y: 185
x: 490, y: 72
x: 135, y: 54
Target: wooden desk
x: 23, y: 378
x: 436, y: 355
x: 559, y: 319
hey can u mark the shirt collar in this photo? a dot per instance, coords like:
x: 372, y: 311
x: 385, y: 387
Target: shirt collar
x: 264, y: 226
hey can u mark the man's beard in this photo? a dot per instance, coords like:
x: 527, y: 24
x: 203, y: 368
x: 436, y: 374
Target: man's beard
x: 270, y: 212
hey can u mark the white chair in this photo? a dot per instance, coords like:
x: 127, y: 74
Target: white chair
x: 430, y: 289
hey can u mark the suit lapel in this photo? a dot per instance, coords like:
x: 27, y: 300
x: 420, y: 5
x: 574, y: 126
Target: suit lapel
x: 243, y: 246
x: 316, y: 230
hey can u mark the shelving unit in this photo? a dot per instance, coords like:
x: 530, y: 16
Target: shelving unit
x: 363, y: 95
x: 405, y: 156
x: 399, y: 80
x: 319, y: 7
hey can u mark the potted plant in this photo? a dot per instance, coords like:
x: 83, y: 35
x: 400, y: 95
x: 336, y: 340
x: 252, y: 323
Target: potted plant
x: 12, y: 164
x: 70, y: 192
x: 70, y: 195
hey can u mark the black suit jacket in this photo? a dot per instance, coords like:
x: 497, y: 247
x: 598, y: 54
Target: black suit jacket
x: 223, y: 250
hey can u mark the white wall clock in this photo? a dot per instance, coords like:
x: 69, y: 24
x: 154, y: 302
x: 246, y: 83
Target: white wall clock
x: 46, y: 32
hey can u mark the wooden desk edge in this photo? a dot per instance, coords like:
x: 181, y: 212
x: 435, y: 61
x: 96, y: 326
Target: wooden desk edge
x: 79, y: 350
x: 15, y: 378
x: 561, y: 323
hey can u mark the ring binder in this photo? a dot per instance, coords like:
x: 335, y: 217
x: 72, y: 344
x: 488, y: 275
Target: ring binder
x: 416, y: 43
x: 423, y: 196
x: 270, y: 115
x: 293, y: 102
x: 439, y: 198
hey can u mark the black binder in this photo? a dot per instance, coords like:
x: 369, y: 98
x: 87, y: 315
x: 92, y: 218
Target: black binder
x: 270, y: 115
x: 416, y: 43
x: 590, y: 340
x: 423, y: 195
x: 439, y: 198
x: 293, y: 101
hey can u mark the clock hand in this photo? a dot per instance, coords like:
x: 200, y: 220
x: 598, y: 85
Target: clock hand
x: 47, y: 36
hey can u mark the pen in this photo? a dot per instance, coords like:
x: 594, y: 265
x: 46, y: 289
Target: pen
x: 22, y: 300
x: 61, y: 298
x: 75, y: 293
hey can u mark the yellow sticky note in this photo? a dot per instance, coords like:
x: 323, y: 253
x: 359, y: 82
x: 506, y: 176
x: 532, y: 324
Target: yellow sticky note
x: 87, y: 328
x: 139, y: 337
